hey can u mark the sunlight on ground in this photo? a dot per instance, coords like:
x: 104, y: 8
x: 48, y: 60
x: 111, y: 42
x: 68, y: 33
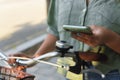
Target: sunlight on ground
x: 18, y: 12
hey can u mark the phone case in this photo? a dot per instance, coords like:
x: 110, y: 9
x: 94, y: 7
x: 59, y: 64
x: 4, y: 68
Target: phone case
x: 79, y: 29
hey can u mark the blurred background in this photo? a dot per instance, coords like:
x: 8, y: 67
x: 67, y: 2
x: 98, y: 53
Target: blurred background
x: 20, y: 21
x: 23, y: 28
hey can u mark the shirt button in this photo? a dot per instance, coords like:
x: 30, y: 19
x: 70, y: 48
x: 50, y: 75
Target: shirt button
x: 84, y: 10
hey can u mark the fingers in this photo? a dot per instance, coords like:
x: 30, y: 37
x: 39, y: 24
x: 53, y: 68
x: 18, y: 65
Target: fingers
x: 81, y: 37
x: 13, y: 60
x: 97, y: 38
x: 88, y: 39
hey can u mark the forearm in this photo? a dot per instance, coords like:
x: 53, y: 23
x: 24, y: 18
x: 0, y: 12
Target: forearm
x: 113, y: 41
x: 106, y: 36
x: 47, y: 46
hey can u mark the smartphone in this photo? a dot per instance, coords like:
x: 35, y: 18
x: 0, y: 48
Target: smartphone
x: 78, y: 29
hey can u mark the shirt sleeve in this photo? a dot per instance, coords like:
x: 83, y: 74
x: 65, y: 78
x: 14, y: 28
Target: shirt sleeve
x: 52, y: 19
x: 53, y: 32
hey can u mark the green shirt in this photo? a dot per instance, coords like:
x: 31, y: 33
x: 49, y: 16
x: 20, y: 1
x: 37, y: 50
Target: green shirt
x: 104, y: 13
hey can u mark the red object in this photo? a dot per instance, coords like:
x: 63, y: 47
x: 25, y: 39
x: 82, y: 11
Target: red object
x: 89, y: 56
x: 15, y: 74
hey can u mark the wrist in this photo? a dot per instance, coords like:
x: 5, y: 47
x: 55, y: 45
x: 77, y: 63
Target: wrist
x: 36, y: 55
x: 111, y: 37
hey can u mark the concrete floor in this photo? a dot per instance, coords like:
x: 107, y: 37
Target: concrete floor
x: 20, y: 21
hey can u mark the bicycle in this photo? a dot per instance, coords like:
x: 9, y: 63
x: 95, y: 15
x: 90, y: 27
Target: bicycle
x: 69, y: 64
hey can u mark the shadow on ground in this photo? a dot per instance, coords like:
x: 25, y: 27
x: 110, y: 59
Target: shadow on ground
x: 25, y: 33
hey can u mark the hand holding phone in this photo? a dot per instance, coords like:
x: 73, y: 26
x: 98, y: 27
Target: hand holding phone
x: 78, y: 29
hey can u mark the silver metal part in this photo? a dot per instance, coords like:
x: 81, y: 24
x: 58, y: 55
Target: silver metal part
x: 35, y: 60
x: 3, y: 60
x: 94, y: 71
x: 62, y: 44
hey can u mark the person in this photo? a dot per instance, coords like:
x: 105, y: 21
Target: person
x: 102, y: 16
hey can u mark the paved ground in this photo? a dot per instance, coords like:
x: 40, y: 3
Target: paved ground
x: 20, y: 21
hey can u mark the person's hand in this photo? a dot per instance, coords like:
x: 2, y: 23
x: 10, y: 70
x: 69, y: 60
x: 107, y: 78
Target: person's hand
x: 99, y: 36
x: 13, y: 60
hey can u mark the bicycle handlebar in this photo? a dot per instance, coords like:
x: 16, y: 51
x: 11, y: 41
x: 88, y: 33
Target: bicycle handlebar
x: 34, y: 60
x: 28, y: 61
